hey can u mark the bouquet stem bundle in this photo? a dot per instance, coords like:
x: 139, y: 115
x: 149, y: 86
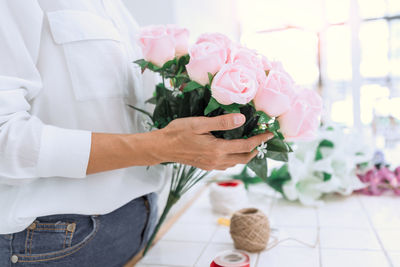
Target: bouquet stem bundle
x: 184, y: 177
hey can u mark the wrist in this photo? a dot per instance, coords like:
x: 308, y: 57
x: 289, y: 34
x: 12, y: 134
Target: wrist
x: 148, y: 147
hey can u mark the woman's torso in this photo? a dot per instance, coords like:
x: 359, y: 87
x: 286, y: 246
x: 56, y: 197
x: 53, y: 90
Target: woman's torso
x: 85, y: 62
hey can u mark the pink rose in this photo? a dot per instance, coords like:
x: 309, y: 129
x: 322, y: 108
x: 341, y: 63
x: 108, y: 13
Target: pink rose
x: 301, y: 121
x: 267, y: 65
x: 247, y: 57
x: 181, y: 39
x: 276, y: 92
x: 205, y: 57
x: 216, y: 38
x: 234, y: 83
x: 157, y: 45
x: 250, y: 59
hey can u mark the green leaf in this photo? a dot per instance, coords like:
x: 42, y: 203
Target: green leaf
x: 246, y: 178
x: 280, y: 136
x: 290, y: 148
x: 141, y: 62
x: 323, y: 144
x: 326, y: 143
x: 169, y: 64
x: 279, y: 156
x: 182, y: 62
x: 192, y: 85
x: 277, y: 144
x: 152, y: 100
x: 147, y: 65
x: 142, y: 111
x: 327, y: 176
x: 236, y: 133
x: 259, y: 167
x: 212, y: 105
x: 273, y: 127
x: 182, y: 78
x: 278, y: 178
x: 263, y: 117
x: 233, y: 108
x: 210, y: 77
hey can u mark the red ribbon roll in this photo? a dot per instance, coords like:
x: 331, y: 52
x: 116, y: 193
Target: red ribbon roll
x: 231, y: 259
x: 213, y: 264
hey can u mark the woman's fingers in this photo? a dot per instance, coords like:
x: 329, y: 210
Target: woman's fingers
x: 245, y: 145
x: 203, y: 125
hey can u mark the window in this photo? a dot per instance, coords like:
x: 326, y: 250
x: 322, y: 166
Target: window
x: 347, y: 49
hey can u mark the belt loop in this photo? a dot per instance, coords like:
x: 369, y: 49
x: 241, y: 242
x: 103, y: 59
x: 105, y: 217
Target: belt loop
x: 146, y: 203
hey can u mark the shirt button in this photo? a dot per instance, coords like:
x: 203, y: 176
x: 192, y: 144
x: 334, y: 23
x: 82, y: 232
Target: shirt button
x: 71, y: 227
x: 14, y: 258
x: 32, y: 226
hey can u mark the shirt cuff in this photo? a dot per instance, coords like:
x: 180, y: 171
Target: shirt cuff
x: 64, y: 152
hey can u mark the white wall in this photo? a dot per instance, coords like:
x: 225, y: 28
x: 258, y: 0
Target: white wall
x: 148, y: 12
x: 198, y: 16
x: 201, y: 16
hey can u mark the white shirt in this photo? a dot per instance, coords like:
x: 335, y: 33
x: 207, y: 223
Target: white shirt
x: 65, y: 71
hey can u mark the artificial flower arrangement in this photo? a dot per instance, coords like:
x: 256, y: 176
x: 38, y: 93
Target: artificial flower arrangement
x: 216, y: 76
x: 379, y: 179
x: 326, y: 165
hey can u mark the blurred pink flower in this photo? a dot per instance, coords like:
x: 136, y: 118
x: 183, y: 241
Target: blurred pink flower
x: 157, y: 45
x: 379, y: 180
x: 301, y: 121
x: 276, y: 92
x: 181, y: 39
x: 234, y: 83
x: 218, y: 39
x: 208, y: 55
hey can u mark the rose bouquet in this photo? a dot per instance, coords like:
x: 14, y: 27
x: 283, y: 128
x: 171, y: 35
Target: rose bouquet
x: 216, y: 76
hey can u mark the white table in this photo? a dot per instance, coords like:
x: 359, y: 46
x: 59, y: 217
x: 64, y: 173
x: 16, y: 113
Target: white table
x: 354, y: 231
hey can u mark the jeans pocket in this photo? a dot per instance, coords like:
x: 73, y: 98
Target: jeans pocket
x: 46, y: 241
x: 42, y: 237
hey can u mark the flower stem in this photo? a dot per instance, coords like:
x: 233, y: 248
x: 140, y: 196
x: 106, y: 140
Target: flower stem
x: 172, y: 199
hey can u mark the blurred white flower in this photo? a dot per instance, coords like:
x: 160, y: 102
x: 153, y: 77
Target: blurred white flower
x: 262, y: 150
x: 326, y: 165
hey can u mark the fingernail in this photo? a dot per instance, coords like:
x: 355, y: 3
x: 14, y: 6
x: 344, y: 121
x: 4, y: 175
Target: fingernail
x: 239, y: 119
x: 270, y: 136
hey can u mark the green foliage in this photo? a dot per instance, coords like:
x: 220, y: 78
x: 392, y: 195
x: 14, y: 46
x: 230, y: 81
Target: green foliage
x: 259, y: 167
x: 211, y: 106
x: 196, y: 100
x: 323, y: 144
x: 210, y: 78
x: 278, y: 178
x: 170, y: 69
x: 263, y: 117
x: 190, y: 86
x: 246, y: 178
x: 327, y: 176
x: 278, y: 156
x: 232, y: 108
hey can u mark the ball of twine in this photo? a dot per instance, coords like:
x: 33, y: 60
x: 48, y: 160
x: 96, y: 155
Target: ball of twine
x: 250, y: 230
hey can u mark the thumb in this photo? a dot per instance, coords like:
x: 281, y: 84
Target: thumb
x: 219, y: 123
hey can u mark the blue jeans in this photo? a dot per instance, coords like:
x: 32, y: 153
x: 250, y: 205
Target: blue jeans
x: 79, y: 240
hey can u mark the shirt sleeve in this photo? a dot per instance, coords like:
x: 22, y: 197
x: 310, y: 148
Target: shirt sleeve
x: 28, y: 147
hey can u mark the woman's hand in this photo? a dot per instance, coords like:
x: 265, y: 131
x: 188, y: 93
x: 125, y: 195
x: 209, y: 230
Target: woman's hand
x: 186, y: 140
x: 189, y: 141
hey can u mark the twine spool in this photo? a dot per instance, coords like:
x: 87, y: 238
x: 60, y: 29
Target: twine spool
x: 228, y: 196
x: 250, y: 230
